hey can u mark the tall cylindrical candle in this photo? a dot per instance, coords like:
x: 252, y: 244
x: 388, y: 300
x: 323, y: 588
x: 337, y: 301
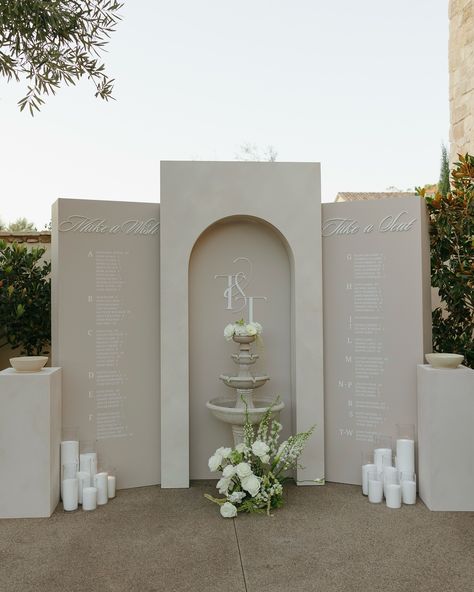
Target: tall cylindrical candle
x: 88, y: 463
x: 393, y: 495
x: 366, y: 470
x: 375, y: 491
x: 89, y: 498
x: 382, y: 458
x: 84, y: 481
x: 111, y: 483
x: 101, y: 482
x: 390, y: 475
x: 70, y: 494
x: 69, y: 451
x: 406, y: 455
x: 408, y: 492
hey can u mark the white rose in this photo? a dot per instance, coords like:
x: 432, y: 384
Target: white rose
x: 236, y: 497
x: 214, y: 462
x: 243, y: 470
x: 223, y: 485
x: 240, y: 330
x: 265, y: 459
x: 228, y: 510
x: 228, y: 472
x: 224, y: 452
x: 258, y: 327
x: 259, y: 448
x: 251, y: 484
x: 250, y: 329
x: 229, y: 331
x: 241, y: 448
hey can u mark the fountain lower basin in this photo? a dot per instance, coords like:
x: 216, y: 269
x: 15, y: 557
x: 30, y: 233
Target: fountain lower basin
x: 226, y: 411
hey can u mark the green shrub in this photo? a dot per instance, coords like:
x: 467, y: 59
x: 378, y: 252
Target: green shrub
x: 452, y: 261
x: 25, y: 299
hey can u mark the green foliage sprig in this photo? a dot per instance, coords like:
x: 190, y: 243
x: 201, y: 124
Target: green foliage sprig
x: 25, y: 299
x: 55, y: 42
x: 452, y: 261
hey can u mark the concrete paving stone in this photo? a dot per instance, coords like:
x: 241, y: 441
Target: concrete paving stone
x: 332, y: 539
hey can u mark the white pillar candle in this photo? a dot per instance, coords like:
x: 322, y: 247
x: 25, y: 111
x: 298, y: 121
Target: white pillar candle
x: 382, y: 458
x: 390, y: 475
x: 406, y: 455
x: 408, y: 492
x: 375, y: 491
x: 88, y: 463
x: 393, y: 495
x: 70, y: 491
x: 101, y: 482
x: 89, y: 498
x: 366, y: 470
x: 69, y: 451
x: 111, y: 483
x: 84, y: 481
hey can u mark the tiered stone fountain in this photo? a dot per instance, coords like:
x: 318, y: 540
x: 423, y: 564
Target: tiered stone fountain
x: 232, y: 410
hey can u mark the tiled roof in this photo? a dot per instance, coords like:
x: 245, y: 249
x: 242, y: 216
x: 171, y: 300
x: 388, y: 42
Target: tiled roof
x: 363, y: 196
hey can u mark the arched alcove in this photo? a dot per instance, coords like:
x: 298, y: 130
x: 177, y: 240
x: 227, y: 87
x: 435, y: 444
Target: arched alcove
x: 250, y: 246
x: 285, y: 198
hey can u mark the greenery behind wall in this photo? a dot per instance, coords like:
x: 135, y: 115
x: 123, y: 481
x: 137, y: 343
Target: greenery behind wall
x: 451, y: 212
x: 25, y: 299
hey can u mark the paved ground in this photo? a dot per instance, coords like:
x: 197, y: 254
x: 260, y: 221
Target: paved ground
x: 325, y: 539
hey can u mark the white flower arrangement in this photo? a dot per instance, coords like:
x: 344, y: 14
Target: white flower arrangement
x: 253, y: 472
x: 242, y: 329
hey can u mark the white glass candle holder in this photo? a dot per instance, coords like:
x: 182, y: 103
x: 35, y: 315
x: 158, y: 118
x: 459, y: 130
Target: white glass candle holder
x: 89, y: 498
x: 111, y: 486
x: 70, y: 494
x: 88, y: 463
x: 375, y: 488
x: 84, y: 480
x: 101, y: 482
x: 390, y: 476
x: 393, y: 495
x: 367, y: 462
x: 408, y: 484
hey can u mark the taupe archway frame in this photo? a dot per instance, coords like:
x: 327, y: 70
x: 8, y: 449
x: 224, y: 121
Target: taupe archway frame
x: 194, y: 196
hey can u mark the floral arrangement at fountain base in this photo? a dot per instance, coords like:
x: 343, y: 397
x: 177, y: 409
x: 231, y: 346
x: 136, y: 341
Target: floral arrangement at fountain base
x: 253, y: 473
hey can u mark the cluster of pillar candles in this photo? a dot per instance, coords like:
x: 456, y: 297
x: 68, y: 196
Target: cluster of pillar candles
x: 391, y: 476
x: 81, y: 482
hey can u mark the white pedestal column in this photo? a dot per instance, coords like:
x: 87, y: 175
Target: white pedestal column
x: 446, y: 438
x: 30, y: 436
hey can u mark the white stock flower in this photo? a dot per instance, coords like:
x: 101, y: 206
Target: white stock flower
x: 260, y: 448
x: 214, y: 462
x: 251, y: 330
x: 243, y: 470
x: 228, y: 510
x: 236, y: 497
x: 251, y: 484
x: 241, y: 448
x: 228, y: 472
x: 224, y: 452
x: 223, y: 485
x: 229, y: 331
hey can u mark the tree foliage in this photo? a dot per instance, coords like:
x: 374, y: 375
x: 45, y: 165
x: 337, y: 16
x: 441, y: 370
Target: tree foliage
x: 25, y: 298
x: 251, y: 152
x: 50, y: 42
x: 443, y: 185
x: 21, y: 224
x: 452, y: 261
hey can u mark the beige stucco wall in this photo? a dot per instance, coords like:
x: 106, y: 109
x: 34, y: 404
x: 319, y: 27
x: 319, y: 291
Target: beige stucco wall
x: 461, y: 76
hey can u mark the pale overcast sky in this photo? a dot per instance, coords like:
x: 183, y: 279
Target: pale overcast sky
x: 361, y: 87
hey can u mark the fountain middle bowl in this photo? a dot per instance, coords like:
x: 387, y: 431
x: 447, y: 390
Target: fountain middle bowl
x: 244, y: 382
x: 226, y: 411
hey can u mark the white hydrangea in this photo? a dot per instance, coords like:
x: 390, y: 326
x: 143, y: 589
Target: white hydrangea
x: 236, y: 497
x: 229, y: 331
x: 243, y: 470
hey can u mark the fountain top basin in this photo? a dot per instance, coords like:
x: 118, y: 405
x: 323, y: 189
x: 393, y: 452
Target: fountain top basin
x: 226, y: 411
